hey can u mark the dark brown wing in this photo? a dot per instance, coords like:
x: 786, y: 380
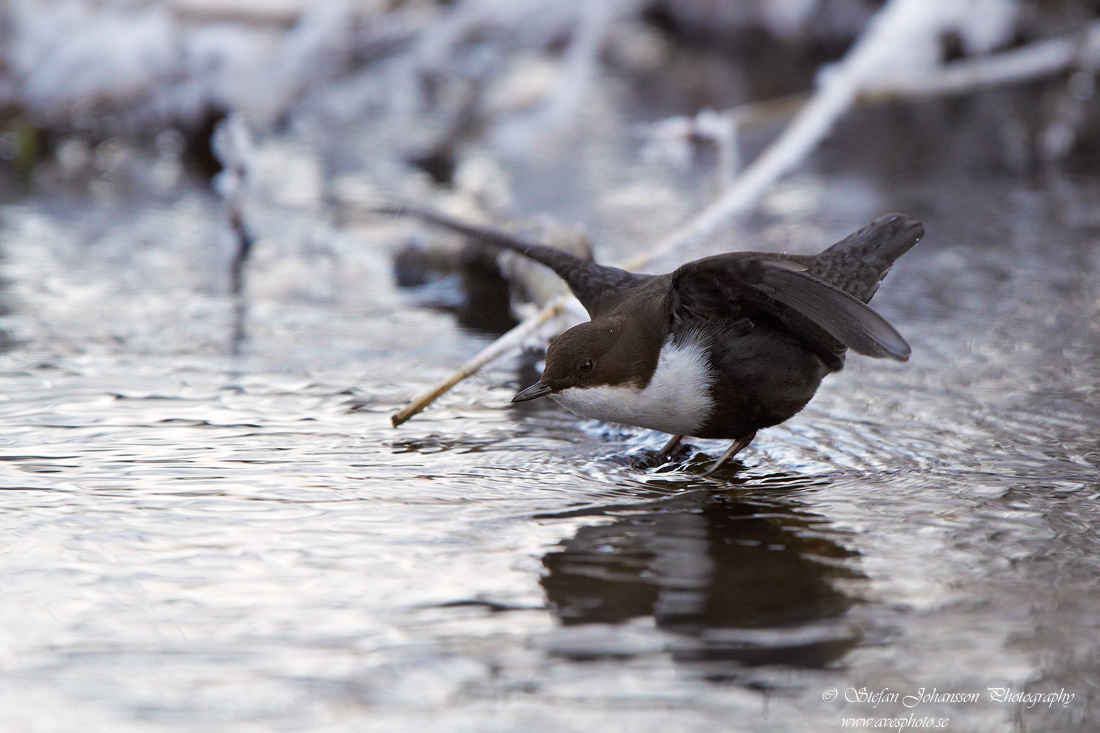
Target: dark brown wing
x: 743, y: 283
x: 594, y: 285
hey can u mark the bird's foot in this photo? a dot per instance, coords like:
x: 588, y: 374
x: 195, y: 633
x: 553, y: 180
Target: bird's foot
x: 661, y: 457
x: 736, y: 447
x: 670, y: 446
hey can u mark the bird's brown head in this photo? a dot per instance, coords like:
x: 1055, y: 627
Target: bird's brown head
x: 591, y: 354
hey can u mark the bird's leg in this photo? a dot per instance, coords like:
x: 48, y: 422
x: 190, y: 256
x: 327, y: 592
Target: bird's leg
x: 738, y: 445
x: 669, y: 447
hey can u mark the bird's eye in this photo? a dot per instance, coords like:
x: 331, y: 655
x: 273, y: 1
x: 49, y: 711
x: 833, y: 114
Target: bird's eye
x: 587, y: 365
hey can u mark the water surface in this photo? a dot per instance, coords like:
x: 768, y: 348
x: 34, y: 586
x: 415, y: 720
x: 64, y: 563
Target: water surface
x: 196, y: 537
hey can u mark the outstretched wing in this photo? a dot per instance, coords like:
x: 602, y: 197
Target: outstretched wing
x: 594, y: 285
x: 729, y: 285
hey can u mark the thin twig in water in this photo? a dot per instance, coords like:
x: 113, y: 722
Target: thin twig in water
x: 501, y: 347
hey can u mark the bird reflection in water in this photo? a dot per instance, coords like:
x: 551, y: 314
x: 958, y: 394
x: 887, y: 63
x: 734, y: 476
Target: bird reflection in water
x: 742, y: 582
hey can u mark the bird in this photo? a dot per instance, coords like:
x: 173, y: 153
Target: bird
x: 720, y: 347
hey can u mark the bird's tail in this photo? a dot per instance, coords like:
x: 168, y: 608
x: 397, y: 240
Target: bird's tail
x: 859, y: 262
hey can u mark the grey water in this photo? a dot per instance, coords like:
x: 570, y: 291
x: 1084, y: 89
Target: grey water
x: 205, y: 533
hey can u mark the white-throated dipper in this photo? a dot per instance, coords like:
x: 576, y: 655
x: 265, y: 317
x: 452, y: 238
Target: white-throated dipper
x: 720, y: 347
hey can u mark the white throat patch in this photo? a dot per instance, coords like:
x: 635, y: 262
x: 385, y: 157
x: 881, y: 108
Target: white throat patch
x: 676, y: 400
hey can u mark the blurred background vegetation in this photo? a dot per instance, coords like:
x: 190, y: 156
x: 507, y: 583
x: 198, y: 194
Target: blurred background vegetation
x: 469, y: 95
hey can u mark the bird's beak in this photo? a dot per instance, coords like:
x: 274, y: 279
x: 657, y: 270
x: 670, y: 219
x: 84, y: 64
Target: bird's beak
x: 536, y: 390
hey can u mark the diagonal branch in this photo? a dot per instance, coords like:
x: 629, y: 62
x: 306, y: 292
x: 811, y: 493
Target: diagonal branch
x: 503, y: 346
